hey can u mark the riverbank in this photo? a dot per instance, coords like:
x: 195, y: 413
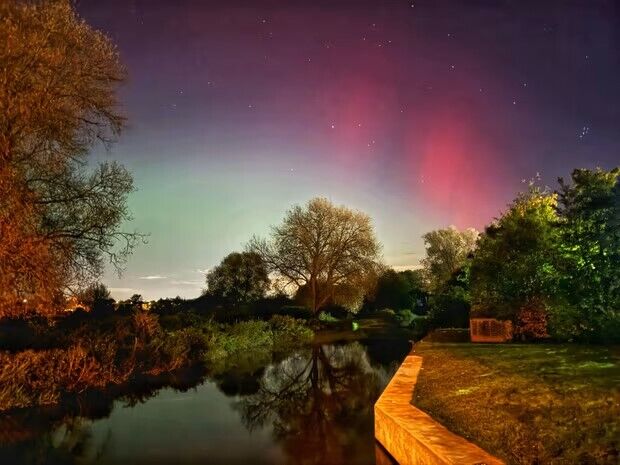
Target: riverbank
x: 525, y: 403
x: 76, y: 356
x: 313, y: 402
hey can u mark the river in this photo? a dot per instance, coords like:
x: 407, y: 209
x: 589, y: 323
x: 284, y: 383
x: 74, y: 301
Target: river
x: 314, y: 406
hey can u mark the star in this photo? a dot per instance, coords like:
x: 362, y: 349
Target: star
x: 585, y: 130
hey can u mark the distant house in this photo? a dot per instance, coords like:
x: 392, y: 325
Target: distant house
x: 490, y: 330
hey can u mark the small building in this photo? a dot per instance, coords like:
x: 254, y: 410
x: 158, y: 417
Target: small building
x: 490, y: 330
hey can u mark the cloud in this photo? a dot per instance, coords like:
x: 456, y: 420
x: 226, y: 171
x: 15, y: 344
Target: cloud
x: 152, y: 277
x: 406, y: 267
x: 205, y: 271
x: 188, y: 283
x: 123, y: 290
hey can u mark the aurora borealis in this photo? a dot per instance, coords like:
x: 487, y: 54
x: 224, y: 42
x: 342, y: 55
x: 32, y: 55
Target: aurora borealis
x: 422, y: 114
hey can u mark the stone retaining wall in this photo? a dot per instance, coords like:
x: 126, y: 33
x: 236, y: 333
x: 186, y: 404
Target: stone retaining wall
x: 411, y: 436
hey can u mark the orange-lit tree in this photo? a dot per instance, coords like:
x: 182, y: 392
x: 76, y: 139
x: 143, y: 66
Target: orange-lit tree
x: 59, y: 219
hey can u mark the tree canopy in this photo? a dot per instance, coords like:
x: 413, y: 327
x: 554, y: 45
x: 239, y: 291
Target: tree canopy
x: 552, y: 260
x: 240, y: 278
x: 330, y: 251
x: 60, y: 217
x: 446, y: 252
x: 515, y: 260
x: 398, y: 290
x: 589, y: 255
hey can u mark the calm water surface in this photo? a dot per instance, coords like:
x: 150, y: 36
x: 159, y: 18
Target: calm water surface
x: 312, y: 407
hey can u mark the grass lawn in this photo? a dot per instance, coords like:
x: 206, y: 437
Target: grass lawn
x: 526, y: 403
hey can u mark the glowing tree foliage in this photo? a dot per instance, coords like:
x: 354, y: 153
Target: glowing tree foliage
x: 446, y: 252
x: 328, y: 251
x: 514, y: 264
x: 589, y: 295
x: 59, y: 219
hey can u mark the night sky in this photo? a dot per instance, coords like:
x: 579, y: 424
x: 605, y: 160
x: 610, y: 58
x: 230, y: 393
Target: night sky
x: 422, y: 114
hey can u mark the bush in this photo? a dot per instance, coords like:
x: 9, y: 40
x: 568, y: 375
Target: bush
x: 420, y: 326
x: 450, y: 309
x: 288, y: 331
x: 405, y: 317
x: 327, y: 317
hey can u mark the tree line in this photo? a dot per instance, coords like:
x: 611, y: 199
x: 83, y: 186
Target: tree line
x: 550, y: 263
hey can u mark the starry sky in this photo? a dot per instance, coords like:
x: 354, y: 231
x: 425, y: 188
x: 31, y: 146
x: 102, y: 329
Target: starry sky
x: 423, y: 114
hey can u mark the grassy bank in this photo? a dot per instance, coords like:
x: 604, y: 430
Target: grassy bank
x: 528, y: 404
x: 97, y: 354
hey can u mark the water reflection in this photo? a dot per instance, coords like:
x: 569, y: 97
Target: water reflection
x: 313, y: 407
x: 318, y: 404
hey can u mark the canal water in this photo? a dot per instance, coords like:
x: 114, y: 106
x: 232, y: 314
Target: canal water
x: 314, y: 406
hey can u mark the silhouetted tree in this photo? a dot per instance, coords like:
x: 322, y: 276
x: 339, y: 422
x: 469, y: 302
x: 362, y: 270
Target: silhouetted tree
x: 240, y: 278
x: 98, y: 299
x: 399, y: 290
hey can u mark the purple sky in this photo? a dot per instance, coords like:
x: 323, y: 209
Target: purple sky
x: 423, y: 114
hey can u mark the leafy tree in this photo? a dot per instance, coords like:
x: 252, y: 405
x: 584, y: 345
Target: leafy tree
x: 330, y: 250
x: 240, y: 278
x: 514, y: 264
x: 399, y: 290
x: 450, y: 304
x: 98, y: 299
x: 589, y: 297
x: 446, y: 252
x: 59, y: 218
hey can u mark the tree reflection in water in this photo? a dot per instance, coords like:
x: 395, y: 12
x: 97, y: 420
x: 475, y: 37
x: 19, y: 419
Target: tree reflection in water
x: 319, y: 403
x: 312, y: 407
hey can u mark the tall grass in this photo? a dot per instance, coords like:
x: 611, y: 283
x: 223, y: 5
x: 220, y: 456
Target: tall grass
x: 95, y: 354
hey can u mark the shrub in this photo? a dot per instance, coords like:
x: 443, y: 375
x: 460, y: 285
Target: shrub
x: 327, y: 317
x: 532, y: 321
x: 405, y: 317
x: 288, y: 331
x: 450, y: 309
x: 420, y: 326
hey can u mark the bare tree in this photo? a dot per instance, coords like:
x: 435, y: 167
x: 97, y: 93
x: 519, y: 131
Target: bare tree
x: 329, y: 252
x: 59, y: 218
